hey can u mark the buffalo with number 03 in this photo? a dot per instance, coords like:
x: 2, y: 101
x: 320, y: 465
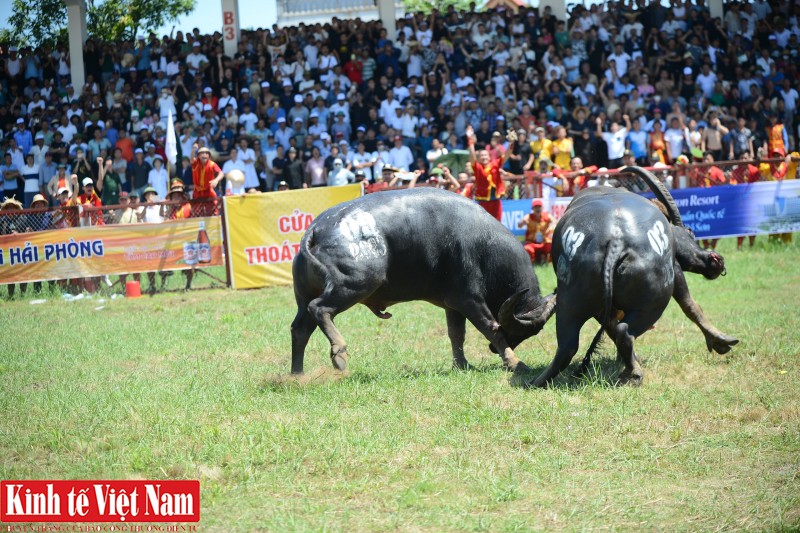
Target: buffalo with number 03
x: 417, y: 244
x: 619, y: 260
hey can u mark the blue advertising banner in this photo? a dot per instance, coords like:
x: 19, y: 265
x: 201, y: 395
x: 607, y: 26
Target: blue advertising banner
x: 514, y: 210
x: 734, y: 210
x: 765, y: 207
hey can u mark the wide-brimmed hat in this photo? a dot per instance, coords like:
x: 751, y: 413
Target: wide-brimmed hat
x: 176, y: 185
x: 11, y: 202
x: 235, y: 176
x: 39, y: 198
x: 203, y: 149
x: 580, y: 108
x: 149, y: 189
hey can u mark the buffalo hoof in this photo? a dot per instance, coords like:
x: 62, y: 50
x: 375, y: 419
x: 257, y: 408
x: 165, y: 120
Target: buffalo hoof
x: 339, y: 361
x: 462, y: 365
x: 721, y: 344
x: 519, y: 366
x: 630, y: 379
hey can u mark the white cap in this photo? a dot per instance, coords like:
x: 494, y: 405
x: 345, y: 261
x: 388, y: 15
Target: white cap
x: 324, y: 136
x: 298, y: 119
x: 207, y: 107
x: 281, y: 119
x: 313, y: 114
x: 245, y: 90
x: 196, y: 43
x: 340, y: 96
x: 20, y: 120
x: 39, y: 136
x: 265, y: 84
x: 687, y: 71
x: 62, y: 190
x: 207, y: 90
x: 87, y: 181
x: 298, y: 99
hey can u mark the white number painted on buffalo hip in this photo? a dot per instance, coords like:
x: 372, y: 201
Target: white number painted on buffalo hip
x: 571, y: 241
x: 361, y: 235
x: 658, y: 239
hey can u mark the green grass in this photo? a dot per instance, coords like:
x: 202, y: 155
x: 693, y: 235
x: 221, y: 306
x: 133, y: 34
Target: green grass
x: 193, y: 385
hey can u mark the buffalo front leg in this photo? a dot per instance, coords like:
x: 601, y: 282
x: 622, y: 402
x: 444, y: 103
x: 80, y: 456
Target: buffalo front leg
x: 456, y: 330
x: 482, y: 319
x: 303, y: 326
x: 568, y: 330
x: 715, y: 339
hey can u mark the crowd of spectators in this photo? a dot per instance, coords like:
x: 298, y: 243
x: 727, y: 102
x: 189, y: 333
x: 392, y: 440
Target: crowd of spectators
x: 328, y: 104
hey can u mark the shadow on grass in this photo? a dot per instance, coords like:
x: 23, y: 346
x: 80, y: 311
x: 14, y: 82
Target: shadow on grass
x: 603, y: 373
x: 325, y: 375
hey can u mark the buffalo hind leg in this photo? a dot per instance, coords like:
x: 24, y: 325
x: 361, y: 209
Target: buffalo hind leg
x: 632, y: 375
x: 324, y: 309
x: 456, y: 330
x: 302, y: 328
x: 568, y: 332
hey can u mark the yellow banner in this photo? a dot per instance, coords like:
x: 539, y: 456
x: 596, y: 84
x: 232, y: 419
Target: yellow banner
x: 114, y: 249
x: 264, y: 231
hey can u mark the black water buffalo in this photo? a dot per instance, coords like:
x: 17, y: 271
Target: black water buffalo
x: 418, y: 244
x: 619, y: 260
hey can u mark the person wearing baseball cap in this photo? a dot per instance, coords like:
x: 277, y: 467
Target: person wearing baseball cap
x: 87, y: 198
x: 538, y: 233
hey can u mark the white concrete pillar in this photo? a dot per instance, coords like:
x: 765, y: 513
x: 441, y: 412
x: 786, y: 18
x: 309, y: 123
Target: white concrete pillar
x: 386, y: 13
x: 76, y: 23
x: 557, y: 7
x: 230, y: 26
x: 715, y: 9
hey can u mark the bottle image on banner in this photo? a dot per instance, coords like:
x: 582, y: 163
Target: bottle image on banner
x: 203, y: 245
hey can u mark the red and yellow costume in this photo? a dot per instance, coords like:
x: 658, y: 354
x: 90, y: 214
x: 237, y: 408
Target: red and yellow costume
x: 95, y: 216
x: 775, y: 140
x: 572, y: 182
x: 538, y: 235
x: 658, y: 146
x: 202, y: 176
x: 182, y: 211
x: 489, y: 187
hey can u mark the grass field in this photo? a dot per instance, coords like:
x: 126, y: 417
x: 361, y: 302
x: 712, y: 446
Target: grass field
x: 194, y: 386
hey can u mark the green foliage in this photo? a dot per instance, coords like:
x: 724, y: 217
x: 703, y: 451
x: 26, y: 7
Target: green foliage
x: 426, y: 6
x: 45, y: 21
x: 37, y: 23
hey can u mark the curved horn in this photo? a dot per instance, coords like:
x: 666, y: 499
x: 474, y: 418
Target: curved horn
x: 506, y: 315
x: 539, y: 316
x: 661, y: 192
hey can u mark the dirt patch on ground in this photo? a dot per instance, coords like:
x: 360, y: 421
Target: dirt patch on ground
x: 318, y: 376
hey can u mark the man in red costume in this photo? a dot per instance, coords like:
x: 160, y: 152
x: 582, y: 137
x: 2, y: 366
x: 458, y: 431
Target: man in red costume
x: 538, y: 235
x: 205, y: 176
x: 489, y: 186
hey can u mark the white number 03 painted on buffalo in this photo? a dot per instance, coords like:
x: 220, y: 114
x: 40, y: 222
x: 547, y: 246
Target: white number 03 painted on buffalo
x: 361, y: 234
x: 571, y: 241
x: 658, y: 238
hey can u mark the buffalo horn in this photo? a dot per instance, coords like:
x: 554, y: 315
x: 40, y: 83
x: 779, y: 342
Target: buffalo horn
x: 661, y: 192
x: 506, y: 314
x: 539, y: 316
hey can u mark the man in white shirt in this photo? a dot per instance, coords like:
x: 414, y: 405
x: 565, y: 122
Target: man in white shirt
x: 615, y: 139
x: 400, y: 156
x: 388, y: 106
x: 248, y: 119
x: 621, y: 58
x: 706, y: 81
x: 196, y: 59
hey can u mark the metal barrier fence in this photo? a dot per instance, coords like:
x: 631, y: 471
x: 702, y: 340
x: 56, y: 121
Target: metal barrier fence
x: 22, y: 221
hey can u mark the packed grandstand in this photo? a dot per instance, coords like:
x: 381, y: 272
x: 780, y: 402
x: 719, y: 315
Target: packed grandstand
x: 308, y: 106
